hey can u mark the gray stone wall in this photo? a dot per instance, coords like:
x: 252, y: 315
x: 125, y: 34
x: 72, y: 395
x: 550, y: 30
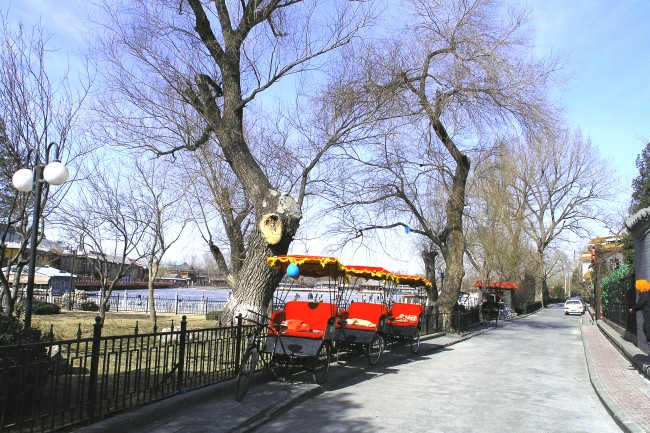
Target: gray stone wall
x: 639, y: 226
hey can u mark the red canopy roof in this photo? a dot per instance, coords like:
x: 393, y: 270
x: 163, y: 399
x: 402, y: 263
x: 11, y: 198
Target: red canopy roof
x: 413, y: 281
x: 310, y: 266
x: 369, y: 272
x: 499, y: 285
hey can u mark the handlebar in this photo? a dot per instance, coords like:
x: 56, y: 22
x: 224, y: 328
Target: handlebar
x: 267, y: 319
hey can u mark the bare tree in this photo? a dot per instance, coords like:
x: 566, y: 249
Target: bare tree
x: 110, y: 222
x: 215, y: 58
x: 159, y: 199
x: 497, y: 244
x: 36, y: 109
x: 463, y: 69
x: 561, y: 177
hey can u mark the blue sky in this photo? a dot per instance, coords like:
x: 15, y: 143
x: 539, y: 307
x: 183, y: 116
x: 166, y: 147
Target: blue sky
x: 608, y: 94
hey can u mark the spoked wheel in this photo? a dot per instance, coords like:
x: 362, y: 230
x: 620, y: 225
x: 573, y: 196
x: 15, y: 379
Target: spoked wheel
x: 415, y: 341
x: 375, y: 348
x: 322, y: 364
x: 245, y: 376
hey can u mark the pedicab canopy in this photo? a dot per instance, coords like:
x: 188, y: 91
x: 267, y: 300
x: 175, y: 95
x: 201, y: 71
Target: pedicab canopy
x: 309, y: 266
x: 498, y: 285
x: 369, y: 273
x: 413, y: 281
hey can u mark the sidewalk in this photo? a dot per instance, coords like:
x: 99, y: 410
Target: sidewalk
x: 213, y: 409
x: 615, y: 367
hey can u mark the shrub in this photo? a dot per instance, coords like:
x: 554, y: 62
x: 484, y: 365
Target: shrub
x: 614, y: 286
x: 213, y: 315
x: 23, y: 368
x: 88, y: 306
x: 12, y: 332
x: 39, y: 308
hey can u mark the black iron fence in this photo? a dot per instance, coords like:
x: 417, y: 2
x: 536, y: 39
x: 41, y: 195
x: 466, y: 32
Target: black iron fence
x: 463, y: 319
x: 51, y: 385
x: 120, y: 302
x: 460, y: 321
x: 620, y: 296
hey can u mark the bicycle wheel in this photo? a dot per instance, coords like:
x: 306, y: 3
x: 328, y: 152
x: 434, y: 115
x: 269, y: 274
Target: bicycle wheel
x: 246, y: 371
x: 415, y: 341
x: 322, y: 364
x: 375, y: 348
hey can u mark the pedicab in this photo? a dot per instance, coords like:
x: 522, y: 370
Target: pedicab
x: 361, y: 325
x: 300, y: 332
x: 306, y: 328
x: 490, y: 309
x: 404, y: 321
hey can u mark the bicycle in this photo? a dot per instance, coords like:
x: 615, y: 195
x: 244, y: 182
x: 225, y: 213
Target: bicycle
x: 257, y: 343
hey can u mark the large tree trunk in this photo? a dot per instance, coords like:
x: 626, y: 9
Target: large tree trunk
x: 453, y: 247
x: 541, y: 288
x: 453, y: 253
x: 256, y: 281
x: 277, y: 216
x: 429, y: 258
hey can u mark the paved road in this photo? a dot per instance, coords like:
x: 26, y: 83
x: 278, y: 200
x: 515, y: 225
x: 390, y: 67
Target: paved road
x: 526, y: 375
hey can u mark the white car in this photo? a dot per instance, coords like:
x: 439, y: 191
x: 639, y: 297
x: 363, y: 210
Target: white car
x: 574, y: 306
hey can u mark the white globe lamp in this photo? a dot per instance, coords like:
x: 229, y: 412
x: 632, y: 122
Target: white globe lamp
x: 56, y: 173
x: 23, y: 180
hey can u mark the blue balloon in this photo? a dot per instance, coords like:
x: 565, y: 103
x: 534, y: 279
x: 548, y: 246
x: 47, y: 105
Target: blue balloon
x: 293, y: 270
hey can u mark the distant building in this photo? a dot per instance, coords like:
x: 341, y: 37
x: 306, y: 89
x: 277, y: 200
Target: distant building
x: 183, y: 271
x: 48, y: 281
x: 603, y: 244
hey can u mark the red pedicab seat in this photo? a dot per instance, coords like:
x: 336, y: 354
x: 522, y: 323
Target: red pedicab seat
x: 406, y: 314
x: 364, y: 316
x: 305, y: 319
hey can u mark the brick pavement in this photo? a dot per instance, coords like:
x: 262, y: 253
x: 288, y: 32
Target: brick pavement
x: 621, y: 387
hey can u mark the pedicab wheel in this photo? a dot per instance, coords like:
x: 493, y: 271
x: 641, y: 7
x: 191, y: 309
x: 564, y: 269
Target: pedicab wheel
x: 322, y: 364
x: 415, y: 341
x: 375, y: 348
x: 246, y: 371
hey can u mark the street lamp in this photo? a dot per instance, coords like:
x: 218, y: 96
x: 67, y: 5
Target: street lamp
x: 26, y: 180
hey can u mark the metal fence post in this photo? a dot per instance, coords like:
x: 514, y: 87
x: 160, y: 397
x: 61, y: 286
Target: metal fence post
x: 238, y: 342
x: 94, y: 368
x: 437, y: 321
x: 176, y: 303
x: 181, y: 354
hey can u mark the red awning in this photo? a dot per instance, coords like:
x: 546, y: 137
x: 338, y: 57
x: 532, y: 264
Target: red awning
x: 310, y: 266
x: 369, y: 272
x: 413, y: 281
x: 499, y: 285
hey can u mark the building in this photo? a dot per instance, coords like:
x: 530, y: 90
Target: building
x: 48, y: 281
x: 608, y: 247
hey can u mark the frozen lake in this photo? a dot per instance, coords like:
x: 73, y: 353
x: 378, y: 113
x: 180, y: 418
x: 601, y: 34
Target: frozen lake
x: 221, y: 294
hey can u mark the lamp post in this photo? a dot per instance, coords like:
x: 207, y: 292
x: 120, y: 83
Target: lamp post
x: 26, y: 180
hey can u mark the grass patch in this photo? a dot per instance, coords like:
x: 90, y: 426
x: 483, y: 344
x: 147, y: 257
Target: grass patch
x: 67, y: 323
